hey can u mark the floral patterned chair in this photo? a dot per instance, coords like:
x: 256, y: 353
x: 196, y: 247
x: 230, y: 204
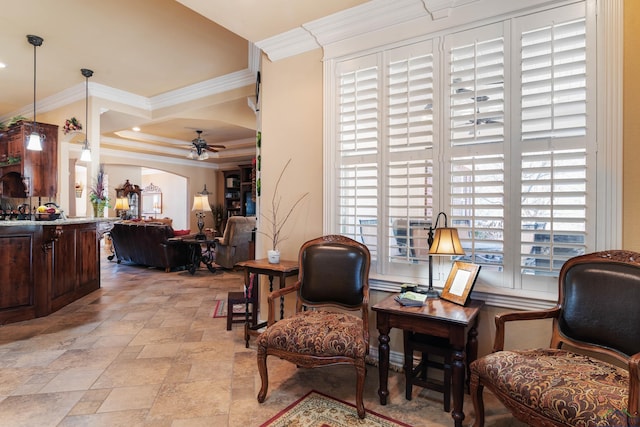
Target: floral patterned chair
x: 334, y: 274
x: 594, y: 383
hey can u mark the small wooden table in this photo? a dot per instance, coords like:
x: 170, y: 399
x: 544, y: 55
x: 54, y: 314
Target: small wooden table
x: 282, y: 270
x: 438, y: 318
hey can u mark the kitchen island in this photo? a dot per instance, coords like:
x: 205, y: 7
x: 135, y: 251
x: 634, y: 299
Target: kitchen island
x: 45, y: 265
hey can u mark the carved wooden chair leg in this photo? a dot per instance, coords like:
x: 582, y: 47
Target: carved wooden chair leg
x: 264, y: 376
x: 476, y: 389
x: 361, y: 372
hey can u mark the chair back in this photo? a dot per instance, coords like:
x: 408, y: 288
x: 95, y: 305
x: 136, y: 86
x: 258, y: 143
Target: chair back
x: 599, y: 299
x: 334, y: 270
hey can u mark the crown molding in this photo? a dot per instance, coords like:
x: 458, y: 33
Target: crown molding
x: 193, y: 92
x: 362, y: 19
x: 289, y: 43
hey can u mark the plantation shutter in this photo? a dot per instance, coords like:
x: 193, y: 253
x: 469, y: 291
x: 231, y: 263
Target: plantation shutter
x: 358, y: 139
x: 409, y: 151
x: 554, y: 148
x: 477, y: 144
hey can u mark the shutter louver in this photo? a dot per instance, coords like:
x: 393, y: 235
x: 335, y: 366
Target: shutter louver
x: 477, y: 208
x: 477, y: 92
x: 553, y: 217
x: 554, y: 81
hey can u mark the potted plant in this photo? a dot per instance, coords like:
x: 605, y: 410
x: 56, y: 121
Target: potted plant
x: 275, y: 221
x: 98, y: 195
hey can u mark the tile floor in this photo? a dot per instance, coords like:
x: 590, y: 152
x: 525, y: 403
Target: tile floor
x: 144, y: 350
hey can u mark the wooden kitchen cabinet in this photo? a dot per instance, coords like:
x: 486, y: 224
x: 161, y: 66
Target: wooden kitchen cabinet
x: 28, y: 173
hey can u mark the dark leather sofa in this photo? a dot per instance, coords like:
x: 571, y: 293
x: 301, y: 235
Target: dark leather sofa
x: 147, y: 244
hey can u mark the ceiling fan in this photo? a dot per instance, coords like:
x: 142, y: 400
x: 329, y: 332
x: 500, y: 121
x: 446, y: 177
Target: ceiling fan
x: 200, y: 147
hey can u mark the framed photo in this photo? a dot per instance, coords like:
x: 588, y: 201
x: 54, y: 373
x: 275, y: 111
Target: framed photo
x: 460, y: 282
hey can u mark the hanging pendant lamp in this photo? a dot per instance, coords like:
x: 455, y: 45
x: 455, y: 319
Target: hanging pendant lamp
x: 35, y: 139
x: 86, y: 151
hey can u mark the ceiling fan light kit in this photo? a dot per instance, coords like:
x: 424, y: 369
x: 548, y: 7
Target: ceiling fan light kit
x: 200, y: 147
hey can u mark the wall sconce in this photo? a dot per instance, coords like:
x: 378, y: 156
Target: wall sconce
x: 122, y: 206
x: 445, y: 242
x: 200, y: 206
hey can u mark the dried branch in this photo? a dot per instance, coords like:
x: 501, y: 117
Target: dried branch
x: 275, y: 224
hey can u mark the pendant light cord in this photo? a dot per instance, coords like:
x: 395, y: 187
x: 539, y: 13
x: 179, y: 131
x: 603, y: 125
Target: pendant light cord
x: 34, y: 87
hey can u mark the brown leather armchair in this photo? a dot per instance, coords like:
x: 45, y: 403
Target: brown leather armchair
x: 233, y: 246
x: 594, y: 383
x: 334, y: 274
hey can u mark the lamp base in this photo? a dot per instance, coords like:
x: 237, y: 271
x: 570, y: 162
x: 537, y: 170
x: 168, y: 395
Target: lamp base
x: 200, y: 237
x: 432, y: 294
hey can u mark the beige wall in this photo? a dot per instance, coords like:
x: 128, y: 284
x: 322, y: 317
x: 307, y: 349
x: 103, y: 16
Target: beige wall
x: 631, y: 127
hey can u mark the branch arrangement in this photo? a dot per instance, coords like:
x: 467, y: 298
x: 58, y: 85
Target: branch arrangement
x: 274, y: 222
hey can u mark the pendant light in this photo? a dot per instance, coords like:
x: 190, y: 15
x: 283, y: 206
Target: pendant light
x: 35, y: 139
x: 86, y: 151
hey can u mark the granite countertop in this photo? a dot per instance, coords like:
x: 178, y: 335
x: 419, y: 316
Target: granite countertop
x: 75, y: 220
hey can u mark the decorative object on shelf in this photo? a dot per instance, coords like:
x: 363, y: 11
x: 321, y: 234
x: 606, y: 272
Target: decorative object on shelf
x: 71, y: 125
x: 200, y: 147
x: 79, y: 188
x: 275, y: 222
x: 35, y: 139
x: 445, y: 242
x: 98, y: 194
x: 218, y: 217
x: 86, y: 151
x: 200, y: 206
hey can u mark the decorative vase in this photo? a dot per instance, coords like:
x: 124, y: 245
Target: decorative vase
x: 79, y: 192
x: 98, y: 209
x: 273, y: 256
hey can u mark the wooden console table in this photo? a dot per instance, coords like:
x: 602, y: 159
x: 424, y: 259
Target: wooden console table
x: 438, y: 318
x: 282, y: 270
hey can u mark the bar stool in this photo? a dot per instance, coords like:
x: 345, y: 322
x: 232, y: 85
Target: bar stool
x: 427, y: 345
x: 239, y: 298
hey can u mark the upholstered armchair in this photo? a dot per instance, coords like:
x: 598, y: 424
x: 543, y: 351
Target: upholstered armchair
x: 333, y: 280
x: 233, y: 246
x: 596, y: 380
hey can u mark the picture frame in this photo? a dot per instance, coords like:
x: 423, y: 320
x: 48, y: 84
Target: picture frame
x: 460, y: 282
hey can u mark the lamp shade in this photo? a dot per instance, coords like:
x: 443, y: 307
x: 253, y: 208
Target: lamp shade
x: 201, y: 203
x: 446, y: 242
x: 86, y: 153
x: 122, y: 204
x: 35, y: 143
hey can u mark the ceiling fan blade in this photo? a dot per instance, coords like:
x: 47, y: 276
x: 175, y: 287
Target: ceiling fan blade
x: 210, y: 148
x: 216, y: 146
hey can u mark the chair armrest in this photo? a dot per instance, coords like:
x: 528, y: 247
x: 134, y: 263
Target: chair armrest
x: 501, y: 319
x: 634, y: 389
x: 271, y: 319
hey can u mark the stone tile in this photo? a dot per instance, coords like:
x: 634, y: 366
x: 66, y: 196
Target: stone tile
x: 126, y: 398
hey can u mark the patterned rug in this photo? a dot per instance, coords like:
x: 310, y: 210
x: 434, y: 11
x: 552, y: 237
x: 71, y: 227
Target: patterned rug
x: 220, y: 309
x: 319, y: 410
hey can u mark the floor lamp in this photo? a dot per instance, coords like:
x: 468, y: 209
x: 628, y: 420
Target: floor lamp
x: 445, y: 241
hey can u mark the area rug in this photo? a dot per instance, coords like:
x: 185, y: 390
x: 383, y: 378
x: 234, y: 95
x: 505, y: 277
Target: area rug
x: 319, y: 410
x: 220, y: 309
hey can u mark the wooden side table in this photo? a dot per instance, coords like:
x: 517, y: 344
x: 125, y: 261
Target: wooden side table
x: 198, y: 255
x: 282, y: 270
x: 438, y: 318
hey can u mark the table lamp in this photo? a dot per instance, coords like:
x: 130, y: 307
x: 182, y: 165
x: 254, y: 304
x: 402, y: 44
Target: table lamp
x: 445, y: 242
x: 200, y: 206
x: 122, y: 206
